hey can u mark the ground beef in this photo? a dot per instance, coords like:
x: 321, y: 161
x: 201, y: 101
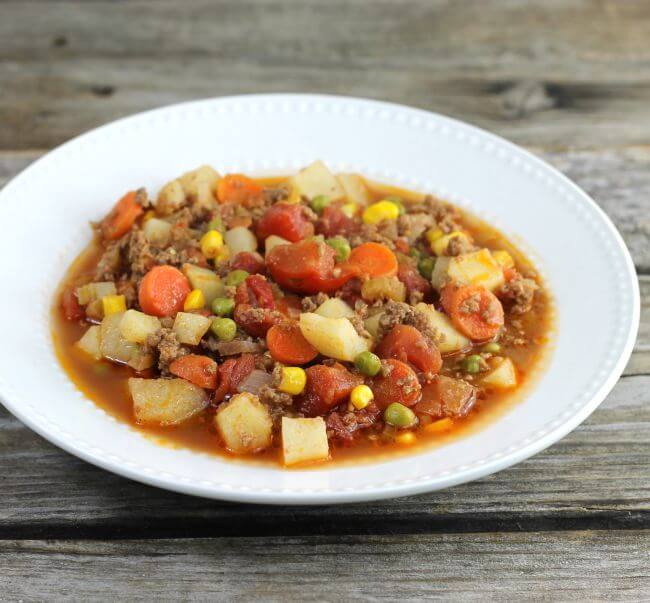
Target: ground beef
x: 342, y: 425
x: 446, y: 217
x: 518, y: 294
x: 165, y: 347
x: 385, y: 232
x: 273, y: 195
x: 309, y: 304
x: 109, y: 264
x: 412, y: 226
x: 459, y: 246
x: 272, y: 396
x: 399, y: 313
x: 359, y: 326
x: 127, y: 288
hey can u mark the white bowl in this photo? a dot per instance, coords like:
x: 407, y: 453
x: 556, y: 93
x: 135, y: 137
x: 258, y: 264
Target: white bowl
x: 47, y: 207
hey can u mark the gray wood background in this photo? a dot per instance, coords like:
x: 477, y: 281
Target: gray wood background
x: 569, y: 79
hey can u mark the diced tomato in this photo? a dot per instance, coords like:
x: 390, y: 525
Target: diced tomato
x: 252, y: 262
x: 231, y: 373
x: 200, y: 370
x: 412, y: 279
x: 399, y: 385
x: 255, y: 291
x: 326, y: 387
x: 256, y: 321
x: 286, y: 220
x: 334, y: 222
x: 407, y: 344
x: 446, y: 397
x: 70, y: 305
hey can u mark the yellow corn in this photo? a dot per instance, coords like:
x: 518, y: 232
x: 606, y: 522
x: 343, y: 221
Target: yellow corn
x: 148, y: 215
x: 195, y: 300
x: 439, y: 246
x: 361, y: 396
x: 293, y: 380
x: 407, y: 438
x: 503, y: 258
x: 211, y: 243
x: 223, y: 255
x: 350, y: 209
x: 433, y: 234
x: 382, y: 210
x: 438, y: 426
x: 112, y: 304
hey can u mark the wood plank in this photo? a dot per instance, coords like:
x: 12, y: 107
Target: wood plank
x: 586, y: 565
x: 570, y: 73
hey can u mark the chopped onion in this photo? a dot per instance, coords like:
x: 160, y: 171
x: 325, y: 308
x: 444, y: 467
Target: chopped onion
x: 230, y: 348
x: 255, y: 381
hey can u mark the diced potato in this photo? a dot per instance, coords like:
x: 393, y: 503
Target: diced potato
x: 157, y: 231
x: 504, y: 376
x: 90, y: 342
x: 334, y: 307
x: 190, y: 328
x: 440, y: 275
x: 355, y: 188
x: 273, y: 241
x: 240, y: 239
x: 451, y: 340
x: 200, y: 185
x: 115, y: 347
x: 304, y: 440
x: 476, y: 268
x: 316, y: 180
x: 137, y: 326
x: 165, y: 402
x: 332, y: 337
x: 170, y: 198
x: 244, y: 424
x: 372, y: 324
x: 95, y: 310
x: 206, y: 280
x: 95, y: 291
x: 383, y: 287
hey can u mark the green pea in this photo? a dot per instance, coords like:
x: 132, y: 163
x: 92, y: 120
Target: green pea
x: 426, y: 266
x: 216, y: 224
x: 224, y: 329
x: 398, y: 415
x: 492, y: 348
x: 415, y: 253
x: 368, y: 363
x: 236, y: 277
x: 319, y: 203
x: 341, y: 246
x: 472, y: 364
x: 223, y: 306
x: 395, y: 200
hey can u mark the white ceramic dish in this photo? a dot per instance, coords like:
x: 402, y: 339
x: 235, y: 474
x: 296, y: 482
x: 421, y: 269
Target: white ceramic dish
x: 583, y: 258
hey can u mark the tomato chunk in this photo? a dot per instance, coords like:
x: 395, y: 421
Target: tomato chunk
x: 396, y: 382
x: 407, y: 344
x: 231, y: 373
x: 256, y: 321
x: 72, y: 310
x: 326, y: 387
x: 200, y: 370
x: 256, y: 292
x: 250, y: 261
x: 286, y: 220
x: 413, y: 280
x: 334, y: 222
x: 446, y: 397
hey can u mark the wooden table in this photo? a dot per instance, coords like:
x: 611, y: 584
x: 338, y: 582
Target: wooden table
x: 569, y: 79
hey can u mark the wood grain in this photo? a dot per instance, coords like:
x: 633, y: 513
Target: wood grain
x: 571, y: 73
x: 551, y: 566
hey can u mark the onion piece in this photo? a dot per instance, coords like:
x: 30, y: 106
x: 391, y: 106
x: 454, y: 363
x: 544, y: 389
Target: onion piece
x: 255, y: 381
x: 231, y: 348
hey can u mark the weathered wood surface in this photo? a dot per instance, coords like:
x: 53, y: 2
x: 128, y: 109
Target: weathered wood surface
x: 550, y: 566
x: 558, y: 73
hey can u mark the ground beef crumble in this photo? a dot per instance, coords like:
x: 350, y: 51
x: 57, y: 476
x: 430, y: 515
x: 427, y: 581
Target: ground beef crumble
x: 342, y: 425
x: 400, y: 313
x: 518, y: 294
x: 165, y: 347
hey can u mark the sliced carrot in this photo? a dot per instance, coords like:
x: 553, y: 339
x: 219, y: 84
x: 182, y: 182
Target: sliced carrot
x: 163, y: 291
x: 200, y: 370
x: 288, y: 345
x: 122, y: 217
x: 237, y: 188
x: 474, y: 311
x: 372, y: 259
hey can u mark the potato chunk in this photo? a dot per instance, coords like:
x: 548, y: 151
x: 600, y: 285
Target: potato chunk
x: 334, y: 307
x: 355, y: 188
x: 190, y: 328
x: 451, y: 340
x: 333, y: 337
x: 165, y: 401
x: 200, y: 185
x: 504, y: 376
x: 137, y: 326
x: 157, y: 231
x: 244, y: 424
x: 91, y: 292
x: 115, y: 347
x: 240, y: 239
x: 316, y: 180
x: 90, y: 342
x: 304, y: 440
x: 477, y: 268
x: 206, y: 280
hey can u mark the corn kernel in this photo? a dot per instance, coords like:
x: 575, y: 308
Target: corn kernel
x: 112, y: 304
x: 211, y: 243
x: 438, y: 426
x: 408, y: 438
x: 350, y: 209
x: 439, y: 246
x: 433, y: 234
x: 382, y: 210
x: 223, y: 255
x: 503, y: 258
x: 195, y: 300
x: 293, y: 380
x: 361, y: 396
x: 148, y: 215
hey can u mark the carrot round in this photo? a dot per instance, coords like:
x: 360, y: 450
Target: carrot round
x: 122, y: 217
x: 200, y: 370
x: 237, y: 188
x: 163, y: 291
x: 372, y: 260
x: 288, y: 345
x: 474, y: 311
